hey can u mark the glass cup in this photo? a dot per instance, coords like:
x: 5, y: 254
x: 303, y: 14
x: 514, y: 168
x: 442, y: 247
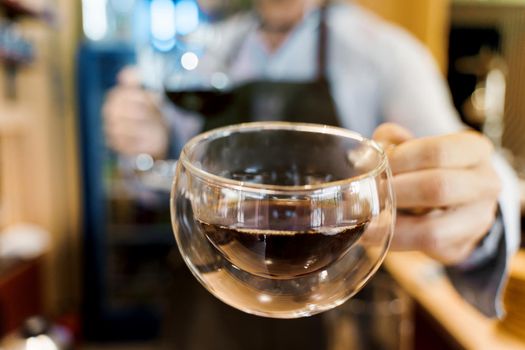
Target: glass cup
x: 378, y: 317
x: 282, y: 220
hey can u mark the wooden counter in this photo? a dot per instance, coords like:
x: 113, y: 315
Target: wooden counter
x: 425, y: 281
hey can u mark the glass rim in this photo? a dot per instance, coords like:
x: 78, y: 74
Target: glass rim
x: 278, y: 125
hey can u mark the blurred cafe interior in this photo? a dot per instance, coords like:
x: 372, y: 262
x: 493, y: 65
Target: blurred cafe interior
x: 88, y: 258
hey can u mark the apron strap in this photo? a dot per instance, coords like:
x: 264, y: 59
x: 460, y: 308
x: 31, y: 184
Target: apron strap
x: 322, y: 49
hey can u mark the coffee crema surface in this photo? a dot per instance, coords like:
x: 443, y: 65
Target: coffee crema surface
x: 286, y: 247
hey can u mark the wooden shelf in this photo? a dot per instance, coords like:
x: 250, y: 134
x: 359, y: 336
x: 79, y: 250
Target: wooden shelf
x: 425, y: 281
x: 11, y: 123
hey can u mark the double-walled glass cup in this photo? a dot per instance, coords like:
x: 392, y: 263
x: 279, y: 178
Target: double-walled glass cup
x: 280, y: 219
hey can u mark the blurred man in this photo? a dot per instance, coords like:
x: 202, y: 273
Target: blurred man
x: 338, y: 64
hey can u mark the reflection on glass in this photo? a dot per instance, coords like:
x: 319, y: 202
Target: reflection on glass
x: 277, y: 219
x: 379, y: 317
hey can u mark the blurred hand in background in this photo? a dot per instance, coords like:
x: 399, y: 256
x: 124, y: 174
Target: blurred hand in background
x: 133, y: 121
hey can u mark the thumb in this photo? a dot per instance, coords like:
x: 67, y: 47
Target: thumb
x: 390, y: 134
x: 129, y: 77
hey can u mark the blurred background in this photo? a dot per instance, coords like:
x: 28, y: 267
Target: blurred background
x: 87, y: 245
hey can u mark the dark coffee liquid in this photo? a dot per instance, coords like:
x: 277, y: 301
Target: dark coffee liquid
x: 287, y: 248
x: 204, y: 102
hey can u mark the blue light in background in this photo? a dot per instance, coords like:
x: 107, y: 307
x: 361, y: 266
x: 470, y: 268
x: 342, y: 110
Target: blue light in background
x: 141, y: 23
x: 186, y: 16
x: 123, y: 7
x: 95, y: 19
x: 189, y: 60
x: 162, y: 24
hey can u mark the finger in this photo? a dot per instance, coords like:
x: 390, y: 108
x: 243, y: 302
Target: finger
x: 141, y: 129
x: 134, y: 115
x: 391, y: 134
x: 123, y: 129
x: 133, y: 100
x: 445, y: 187
x: 122, y: 144
x: 122, y: 94
x: 132, y: 137
x: 130, y: 77
x: 460, y: 150
x: 450, y: 236
x: 126, y: 144
x: 117, y: 130
x: 130, y: 114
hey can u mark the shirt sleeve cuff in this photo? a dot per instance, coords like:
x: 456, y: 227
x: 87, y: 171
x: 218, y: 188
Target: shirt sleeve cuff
x: 481, y: 278
x: 487, y: 248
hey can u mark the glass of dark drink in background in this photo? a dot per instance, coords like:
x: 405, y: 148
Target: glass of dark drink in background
x: 281, y: 219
